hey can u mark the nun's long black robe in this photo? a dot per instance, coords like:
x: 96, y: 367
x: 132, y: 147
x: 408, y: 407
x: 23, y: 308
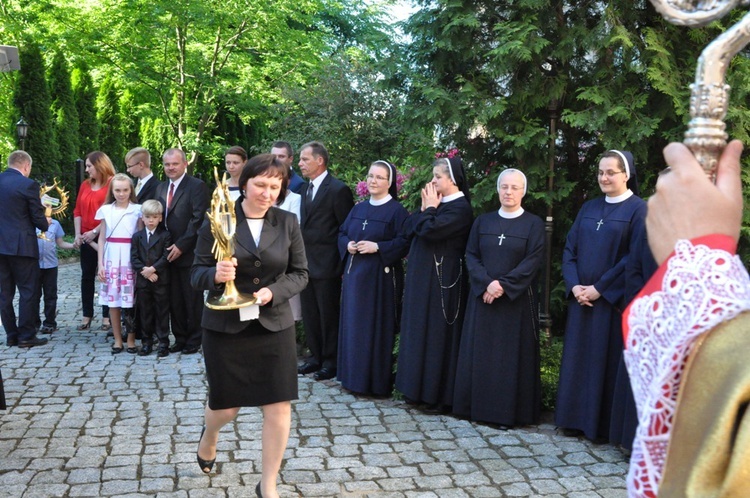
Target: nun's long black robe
x: 434, y: 302
x: 371, y: 297
x: 498, y: 378
x: 596, y: 253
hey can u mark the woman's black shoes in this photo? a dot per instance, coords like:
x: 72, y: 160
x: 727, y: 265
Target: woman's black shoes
x: 207, y: 465
x: 257, y: 491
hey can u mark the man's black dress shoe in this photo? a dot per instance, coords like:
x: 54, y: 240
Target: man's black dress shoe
x: 11, y: 342
x: 145, y: 350
x: 325, y: 373
x: 162, y: 352
x: 190, y: 350
x: 176, y: 348
x: 308, y: 367
x: 30, y: 343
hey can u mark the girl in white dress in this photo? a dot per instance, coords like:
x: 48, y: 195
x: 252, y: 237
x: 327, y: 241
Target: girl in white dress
x: 121, y: 218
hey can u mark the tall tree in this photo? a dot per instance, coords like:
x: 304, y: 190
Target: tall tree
x: 33, y: 102
x: 64, y: 112
x: 85, y: 99
x: 110, y: 124
x: 130, y: 121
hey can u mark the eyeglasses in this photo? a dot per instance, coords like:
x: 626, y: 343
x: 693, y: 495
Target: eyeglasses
x: 377, y: 177
x: 132, y: 165
x: 609, y: 173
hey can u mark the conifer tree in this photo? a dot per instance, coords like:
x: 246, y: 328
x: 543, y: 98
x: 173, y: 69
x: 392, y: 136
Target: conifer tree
x: 32, y: 100
x: 110, y: 125
x: 64, y: 113
x: 130, y: 121
x: 85, y: 100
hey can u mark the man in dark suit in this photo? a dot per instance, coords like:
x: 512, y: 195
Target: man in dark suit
x: 185, y: 201
x: 284, y: 153
x: 326, y: 201
x: 19, y: 250
x: 138, y: 164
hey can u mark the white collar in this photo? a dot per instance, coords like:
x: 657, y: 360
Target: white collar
x: 452, y: 197
x: 318, y: 180
x: 620, y: 198
x: 177, y: 182
x: 380, y: 202
x: 509, y: 216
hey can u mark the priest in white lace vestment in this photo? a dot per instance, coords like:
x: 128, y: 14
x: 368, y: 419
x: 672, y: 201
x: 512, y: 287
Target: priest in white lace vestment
x: 687, y: 338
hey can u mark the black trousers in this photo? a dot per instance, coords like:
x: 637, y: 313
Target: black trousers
x: 185, y: 308
x: 152, y: 302
x: 321, y: 305
x: 22, y: 273
x: 46, y: 285
x: 89, y: 263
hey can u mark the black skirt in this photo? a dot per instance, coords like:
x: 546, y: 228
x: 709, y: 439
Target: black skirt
x: 255, y: 367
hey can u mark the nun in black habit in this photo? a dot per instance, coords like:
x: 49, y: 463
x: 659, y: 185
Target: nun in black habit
x: 594, y: 260
x: 372, y: 244
x: 498, y: 378
x: 436, y: 288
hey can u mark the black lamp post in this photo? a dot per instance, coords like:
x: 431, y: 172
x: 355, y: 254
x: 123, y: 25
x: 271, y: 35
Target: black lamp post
x: 545, y: 315
x: 22, y: 130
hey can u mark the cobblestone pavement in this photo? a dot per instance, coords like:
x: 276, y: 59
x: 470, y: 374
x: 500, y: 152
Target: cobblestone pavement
x: 82, y: 422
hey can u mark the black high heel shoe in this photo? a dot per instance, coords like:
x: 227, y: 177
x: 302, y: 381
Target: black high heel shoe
x: 257, y: 491
x: 205, y: 465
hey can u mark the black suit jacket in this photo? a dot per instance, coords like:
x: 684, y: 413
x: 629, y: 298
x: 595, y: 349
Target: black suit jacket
x: 320, y: 226
x: 151, y: 253
x: 22, y: 213
x: 148, y: 190
x: 184, y: 218
x: 279, y: 264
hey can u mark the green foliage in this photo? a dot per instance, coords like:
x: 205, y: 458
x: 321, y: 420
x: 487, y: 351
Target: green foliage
x: 357, y: 119
x: 65, y: 116
x: 110, y: 123
x: 551, y: 359
x: 84, y: 93
x: 32, y: 101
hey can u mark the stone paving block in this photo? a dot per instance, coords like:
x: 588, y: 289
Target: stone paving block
x: 470, y: 479
x: 359, y: 488
x: 443, y: 444
x: 576, y: 483
x: 547, y: 486
x: 85, y: 490
x: 319, y: 489
x: 434, y: 482
x: 46, y: 491
x: 84, y: 476
x: 603, y: 469
x: 613, y: 493
x: 579, y: 458
x: 464, y: 467
x: 485, y: 492
x: 402, y: 471
x: 382, y: 460
x: 156, y: 485
x: 505, y: 476
x: 518, y: 489
x: 397, y: 483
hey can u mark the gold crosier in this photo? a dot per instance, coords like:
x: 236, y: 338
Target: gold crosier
x: 223, y: 221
